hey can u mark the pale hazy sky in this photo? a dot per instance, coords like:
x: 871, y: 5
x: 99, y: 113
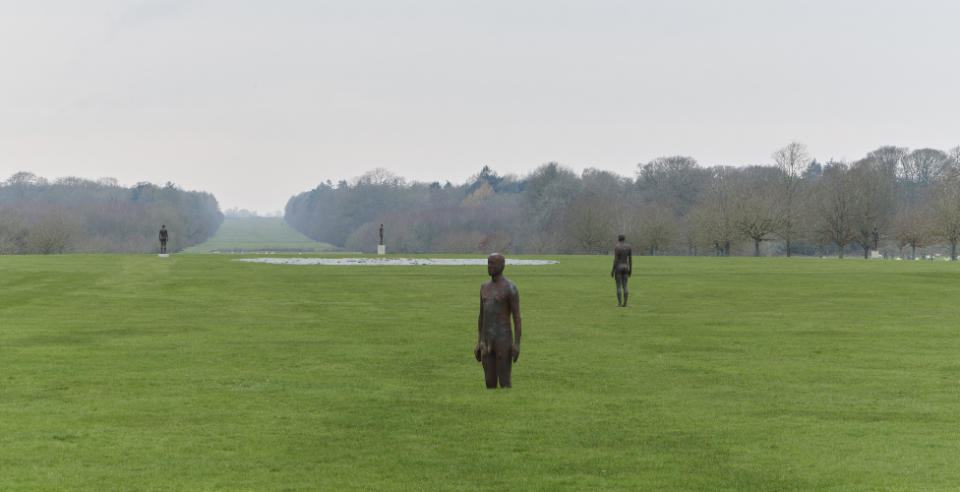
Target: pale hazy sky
x: 255, y: 101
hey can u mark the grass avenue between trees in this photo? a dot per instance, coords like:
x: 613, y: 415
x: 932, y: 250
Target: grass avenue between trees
x: 257, y: 234
x: 194, y: 372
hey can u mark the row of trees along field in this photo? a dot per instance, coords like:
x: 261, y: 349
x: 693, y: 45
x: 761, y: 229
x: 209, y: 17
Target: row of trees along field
x: 903, y: 199
x: 74, y: 215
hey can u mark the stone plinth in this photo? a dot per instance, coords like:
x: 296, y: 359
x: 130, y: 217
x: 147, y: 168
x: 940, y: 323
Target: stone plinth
x: 381, y: 249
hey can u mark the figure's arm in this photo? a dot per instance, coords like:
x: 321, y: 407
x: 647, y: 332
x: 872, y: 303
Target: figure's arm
x: 476, y: 350
x: 515, y: 312
x: 630, y: 262
x: 614, y: 268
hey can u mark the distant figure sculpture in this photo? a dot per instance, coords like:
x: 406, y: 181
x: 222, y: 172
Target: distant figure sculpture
x: 497, y: 348
x: 876, y: 239
x: 163, y: 239
x: 622, y: 268
x: 381, y: 234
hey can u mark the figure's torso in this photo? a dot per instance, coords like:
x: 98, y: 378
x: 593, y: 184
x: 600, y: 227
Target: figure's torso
x: 621, y: 254
x: 496, y: 299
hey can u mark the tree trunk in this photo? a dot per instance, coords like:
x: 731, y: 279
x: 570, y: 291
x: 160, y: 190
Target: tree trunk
x: 756, y: 247
x: 913, y: 252
x: 953, y: 250
x: 788, y: 247
x: 840, y: 247
x: 866, y: 252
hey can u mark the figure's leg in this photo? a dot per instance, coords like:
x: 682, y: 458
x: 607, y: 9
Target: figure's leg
x: 489, y: 361
x: 504, y: 364
x: 619, y: 279
x: 626, y: 293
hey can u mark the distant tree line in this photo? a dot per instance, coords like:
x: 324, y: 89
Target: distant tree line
x: 74, y: 215
x: 902, y: 200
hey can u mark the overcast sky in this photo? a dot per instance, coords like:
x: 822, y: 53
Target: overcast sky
x: 255, y: 101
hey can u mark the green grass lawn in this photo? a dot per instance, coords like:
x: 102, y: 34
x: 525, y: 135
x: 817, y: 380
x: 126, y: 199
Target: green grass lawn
x: 193, y: 372
x: 257, y: 234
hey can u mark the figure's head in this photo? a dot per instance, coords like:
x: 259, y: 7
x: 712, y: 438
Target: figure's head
x: 163, y: 226
x: 621, y: 238
x: 495, y: 263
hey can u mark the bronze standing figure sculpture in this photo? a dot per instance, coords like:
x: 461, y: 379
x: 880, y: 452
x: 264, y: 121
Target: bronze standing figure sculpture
x: 622, y: 268
x: 497, y: 347
x: 381, y: 235
x: 163, y: 239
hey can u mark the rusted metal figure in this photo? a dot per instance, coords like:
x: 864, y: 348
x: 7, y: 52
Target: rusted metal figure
x: 622, y: 268
x: 163, y: 239
x: 381, y: 235
x: 497, y: 347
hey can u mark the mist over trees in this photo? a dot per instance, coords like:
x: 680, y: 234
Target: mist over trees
x: 901, y: 199
x: 75, y: 215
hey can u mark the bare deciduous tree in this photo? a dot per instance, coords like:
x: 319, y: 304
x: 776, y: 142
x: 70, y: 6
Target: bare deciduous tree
x: 873, y: 203
x: 590, y: 222
x: 655, y: 229
x: 791, y: 160
x: 550, y: 188
x: 923, y: 165
x: 13, y: 232
x: 380, y: 177
x: 754, y: 204
x: 24, y: 178
x: 911, y: 228
x: 945, y: 211
x: 674, y: 181
x: 714, y: 213
x: 887, y: 159
x: 834, y: 205
x: 53, y: 232
x: 542, y: 242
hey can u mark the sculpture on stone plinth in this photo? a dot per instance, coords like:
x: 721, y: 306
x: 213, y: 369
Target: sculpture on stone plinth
x: 163, y: 239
